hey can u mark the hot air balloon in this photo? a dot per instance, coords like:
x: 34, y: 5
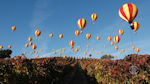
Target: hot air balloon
x: 54, y: 52
x: 60, y: 36
x: 87, y: 50
x: 109, y: 38
x: 24, y: 53
x: 53, y: 49
x: 85, y: 53
x: 112, y: 43
x: 96, y: 53
x: 101, y: 52
x: 71, y: 44
x: 121, y: 32
x: 115, y: 56
x: 37, y: 56
x: 33, y: 47
x: 88, y: 46
x: 36, y: 52
x: 98, y: 38
x: 1, y: 47
x: 77, y: 33
x: 77, y: 49
x: 133, y: 47
x: 135, y: 26
x: 81, y: 23
x: 79, y: 46
x: 51, y: 35
x: 26, y: 45
x: 29, y: 39
x: 128, y: 12
x: 137, y: 50
x: 64, y: 56
x: 9, y: 46
x: 60, y: 54
x: 105, y: 46
x: 13, y: 28
x: 88, y: 36
x: 116, y: 47
x: 92, y: 49
x: 94, y: 17
x: 72, y: 50
x: 123, y: 50
x: 30, y: 53
x: 37, y: 33
x: 30, y: 43
x: 116, y: 39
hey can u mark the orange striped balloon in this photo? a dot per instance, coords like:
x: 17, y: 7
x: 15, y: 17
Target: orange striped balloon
x: 94, y: 17
x: 77, y: 33
x: 135, y: 26
x: 71, y: 44
x: 88, y: 36
x: 37, y: 33
x: 128, y: 12
x: 81, y: 23
x: 116, y: 39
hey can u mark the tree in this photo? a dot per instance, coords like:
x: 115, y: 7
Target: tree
x: 107, y: 57
x: 5, y: 53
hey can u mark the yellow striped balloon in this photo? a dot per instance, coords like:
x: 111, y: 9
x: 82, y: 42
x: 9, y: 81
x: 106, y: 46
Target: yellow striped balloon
x: 128, y: 12
x: 116, y: 39
x: 94, y: 17
x: 81, y: 23
x: 135, y: 26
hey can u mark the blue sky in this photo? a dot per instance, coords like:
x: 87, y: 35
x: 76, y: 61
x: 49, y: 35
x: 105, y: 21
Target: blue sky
x: 60, y: 16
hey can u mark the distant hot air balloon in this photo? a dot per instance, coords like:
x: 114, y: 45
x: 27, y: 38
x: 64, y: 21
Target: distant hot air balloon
x: 9, y: 46
x: 29, y: 39
x: 60, y: 36
x: 36, y: 52
x: 105, y: 46
x: 30, y: 53
x: 30, y: 43
x: 128, y: 12
x: 37, y: 33
x: 101, y: 52
x: 94, y: 17
x: 85, y: 53
x: 77, y: 49
x: 120, y: 32
x: 51, y: 35
x: 116, y: 39
x: 1, y: 47
x: 135, y: 26
x: 98, y: 38
x: 77, y: 33
x: 26, y: 45
x: 88, y: 46
x: 109, y: 38
x: 92, y: 49
x: 64, y: 56
x: 88, y: 36
x: 115, y: 56
x: 72, y: 50
x: 60, y: 54
x: 33, y: 47
x: 137, y: 50
x: 133, y: 47
x: 13, y: 28
x: 71, y: 44
x: 116, y: 47
x: 112, y: 43
x: 24, y: 53
x: 81, y: 23
x: 123, y: 50
x: 37, y: 56
x: 54, y: 52
x: 87, y: 50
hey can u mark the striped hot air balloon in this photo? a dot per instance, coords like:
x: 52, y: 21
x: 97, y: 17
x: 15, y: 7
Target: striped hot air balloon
x: 94, y: 17
x: 71, y: 44
x: 128, y: 12
x: 81, y: 23
x: 77, y: 33
x: 135, y: 26
x: 116, y: 39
